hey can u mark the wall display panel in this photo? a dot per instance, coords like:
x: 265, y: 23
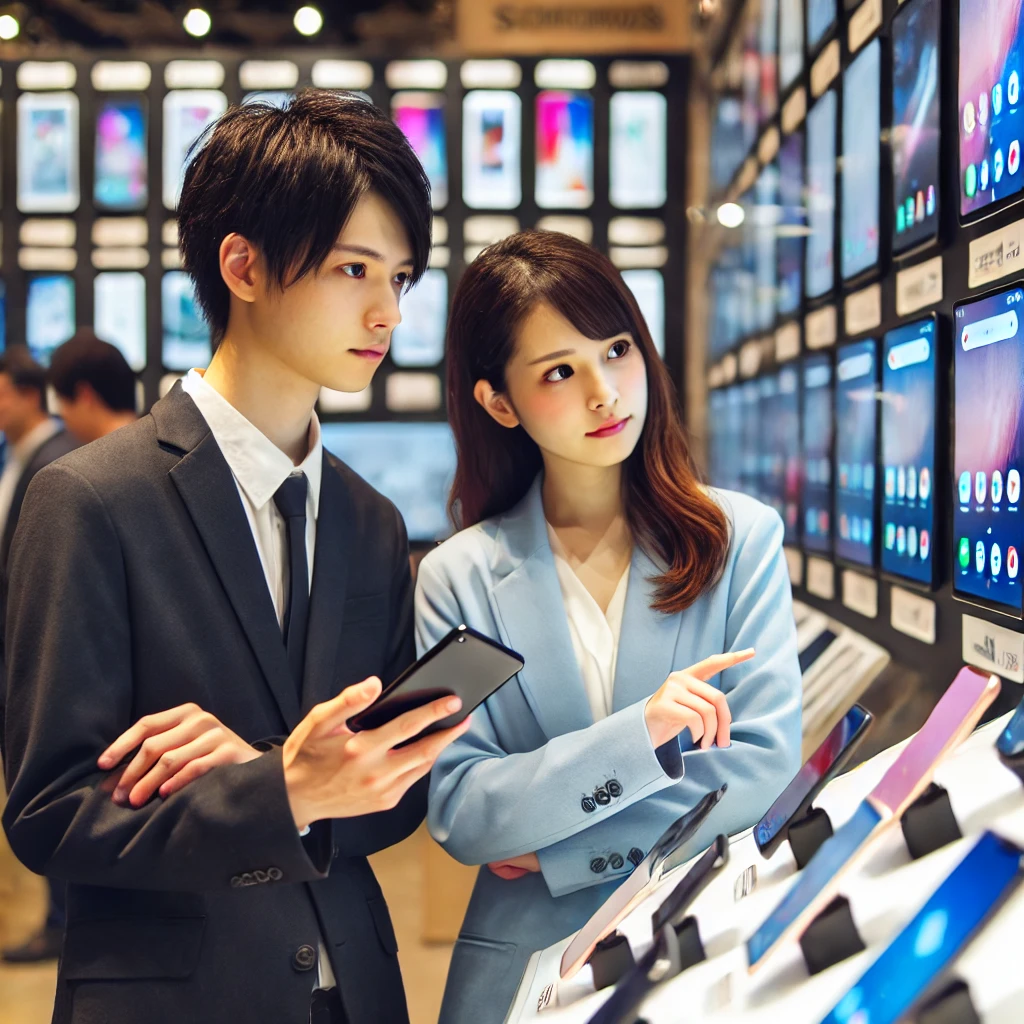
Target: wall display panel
x: 565, y: 150
x: 751, y: 76
x: 821, y: 196
x: 988, y: 348
x: 420, y: 115
x: 121, y: 180
x: 648, y: 288
x: 718, y: 410
x: 413, y: 464
x: 908, y: 450
x: 786, y: 443
x: 187, y: 114
x: 915, y: 124
x: 769, y: 475
x: 861, y: 164
x: 766, y: 194
x: 821, y: 17
x: 816, y: 453
x: 745, y: 294
x: 732, y: 477
x: 768, y: 54
x: 419, y: 339
x: 791, y: 42
x: 991, y: 112
x: 49, y: 314
x: 48, y: 152
x: 120, y: 313
x: 637, y: 150
x: 186, y: 335
x: 792, y: 226
x: 491, y: 133
x: 750, y: 439
x: 727, y: 140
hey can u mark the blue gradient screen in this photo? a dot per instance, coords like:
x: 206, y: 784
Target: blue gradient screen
x: 821, y: 196
x: 816, y: 453
x: 862, y: 154
x: 1011, y: 739
x: 790, y: 246
x: 821, y: 16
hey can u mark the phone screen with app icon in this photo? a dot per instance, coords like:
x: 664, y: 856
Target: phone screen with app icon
x: 988, y: 386
x: 908, y: 450
x: 816, y: 454
x: 991, y: 107
x: 856, y: 387
x: 791, y: 233
x: 861, y: 164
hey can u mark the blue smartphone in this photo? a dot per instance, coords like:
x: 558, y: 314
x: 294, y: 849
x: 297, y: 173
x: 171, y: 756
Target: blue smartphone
x: 1011, y: 739
x: 819, y: 278
x: 816, y: 454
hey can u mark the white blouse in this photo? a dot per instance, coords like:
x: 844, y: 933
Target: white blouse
x: 595, y: 634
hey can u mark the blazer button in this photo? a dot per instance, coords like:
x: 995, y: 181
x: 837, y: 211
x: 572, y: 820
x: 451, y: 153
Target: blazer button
x: 635, y: 856
x: 304, y: 959
x: 601, y: 796
x: 614, y: 788
x: 598, y: 864
x: 615, y: 860
x: 588, y: 804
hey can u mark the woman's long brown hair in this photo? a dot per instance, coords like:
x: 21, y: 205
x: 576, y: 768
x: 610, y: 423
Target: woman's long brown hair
x: 668, y: 512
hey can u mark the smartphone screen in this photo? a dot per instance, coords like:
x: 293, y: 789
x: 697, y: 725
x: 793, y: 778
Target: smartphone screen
x: 491, y: 133
x: 787, y: 449
x: 565, y: 150
x: 769, y: 474
x: 750, y: 445
x: 419, y: 339
x: 768, y: 48
x: 908, y: 449
x: 420, y: 115
x: 120, y: 313
x: 821, y: 16
x: 187, y: 114
x: 816, y: 453
x: 48, y: 152
x: 821, y: 196
x: 856, y: 384
x: 991, y: 114
x: 1011, y: 739
x: 751, y: 75
x: 988, y: 392
x: 121, y: 169
x: 637, y: 161
x: 727, y: 150
x: 792, y: 227
x: 861, y: 165
x: 49, y: 314
x: 648, y: 288
x: 766, y: 216
x: 791, y: 42
x: 915, y: 123
x: 186, y: 335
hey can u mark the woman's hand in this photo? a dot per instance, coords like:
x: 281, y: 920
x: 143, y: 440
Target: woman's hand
x: 515, y: 867
x: 687, y: 701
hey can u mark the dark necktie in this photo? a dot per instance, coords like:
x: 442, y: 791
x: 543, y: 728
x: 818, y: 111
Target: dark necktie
x: 290, y: 499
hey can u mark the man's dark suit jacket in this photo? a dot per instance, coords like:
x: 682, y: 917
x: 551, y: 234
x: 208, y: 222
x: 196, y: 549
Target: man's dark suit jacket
x: 135, y: 586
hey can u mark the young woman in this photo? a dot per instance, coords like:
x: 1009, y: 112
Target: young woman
x: 590, y: 547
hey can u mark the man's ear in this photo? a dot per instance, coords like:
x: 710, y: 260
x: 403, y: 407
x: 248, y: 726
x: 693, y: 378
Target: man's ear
x: 498, y: 407
x: 238, y: 258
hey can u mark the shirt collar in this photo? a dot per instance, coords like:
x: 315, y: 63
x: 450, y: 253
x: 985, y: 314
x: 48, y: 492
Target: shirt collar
x: 259, y: 466
x: 24, y: 449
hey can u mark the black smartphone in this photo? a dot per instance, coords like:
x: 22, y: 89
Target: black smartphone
x: 821, y: 767
x: 465, y: 664
x: 679, y: 899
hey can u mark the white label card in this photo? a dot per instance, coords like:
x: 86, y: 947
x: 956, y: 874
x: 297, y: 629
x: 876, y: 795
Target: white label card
x: 729, y: 368
x: 913, y: 615
x: 994, y: 648
x: 795, y: 564
x: 995, y: 255
x: 750, y: 359
x: 864, y: 310
x: 825, y: 69
x: 860, y: 594
x: 794, y: 111
x: 820, y: 328
x: 919, y: 286
x: 864, y: 22
x: 768, y: 147
x: 821, y: 579
x: 787, y: 342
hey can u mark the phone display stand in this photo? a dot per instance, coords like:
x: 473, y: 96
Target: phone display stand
x: 831, y: 937
x: 929, y: 823
x: 952, y: 1005
x: 806, y: 835
x: 691, y: 949
x: 611, y: 960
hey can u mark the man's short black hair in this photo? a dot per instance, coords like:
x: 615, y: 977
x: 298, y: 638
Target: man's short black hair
x: 87, y: 359
x: 287, y: 180
x: 25, y: 373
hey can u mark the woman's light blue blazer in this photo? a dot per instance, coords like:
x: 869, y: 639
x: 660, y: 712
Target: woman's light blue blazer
x: 516, y: 782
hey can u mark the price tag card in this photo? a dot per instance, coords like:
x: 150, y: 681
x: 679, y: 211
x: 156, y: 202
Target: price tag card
x: 821, y: 579
x: 860, y: 594
x: 919, y: 286
x: 913, y: 615
x: 994, y: 648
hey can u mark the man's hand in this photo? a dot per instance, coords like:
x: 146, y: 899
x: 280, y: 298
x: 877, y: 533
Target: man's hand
x: 332, y: 772
x: 175, y: 747
x: 515, y: 867
x: 686, y: 701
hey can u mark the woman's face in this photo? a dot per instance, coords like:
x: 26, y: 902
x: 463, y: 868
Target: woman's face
x: 580, y: 400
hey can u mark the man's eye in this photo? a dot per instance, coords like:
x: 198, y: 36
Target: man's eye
x: 619, y: 349
x: 356, y: 270
x: 562, y: 372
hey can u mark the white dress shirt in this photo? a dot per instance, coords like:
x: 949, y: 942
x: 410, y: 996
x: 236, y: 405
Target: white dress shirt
x: 18, y: 457
x: 259, y: 468
x: 595, y: 634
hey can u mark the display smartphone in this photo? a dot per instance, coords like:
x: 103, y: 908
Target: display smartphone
x: 419, y: 339
x: 637, y: 154
x: 819, y: 278
x: 491, y: 134
x: 187, y: 114
x: 186, y: 335
x: 861, y: 164
x: 791, y: 42
x: 907, y: 968
x: 821, y: 768
x: 785, y: 433
x: 694, y: 881
x: 49, y: 314
x: 816, y: 453
x: 768, y: 48
x: 48, y: 152
x: 988, y: 390
x: 792, y: 225
x: 915, y: 124
x: 119, y: 306
x: 815, y: 649
x: 648, y: 288
x: 464, y: 663
x: 565, y: 150
x: 991, y: 111
x: 766, y: 214
x: 420, y: 115
x: 956, y: 714
x: 821, y: 17
x: 121, y: 180
x: 908, y: 450
x: 856, y: 418
x: 750, y: 447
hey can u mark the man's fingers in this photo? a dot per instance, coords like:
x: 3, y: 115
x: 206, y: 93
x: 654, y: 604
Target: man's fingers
x: 709, y: 667
x: 151, y: 750
x: 192, y: 771
x: 332, y: 716
x: 150, y: 725
x: 412, y: 723
x: 170, y: 762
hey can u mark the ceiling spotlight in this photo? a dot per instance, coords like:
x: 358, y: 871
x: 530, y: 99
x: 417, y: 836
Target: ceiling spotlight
x: 731, y: 215
x: 197, y: 22
x: 308, y: 21
x: 9, y: 27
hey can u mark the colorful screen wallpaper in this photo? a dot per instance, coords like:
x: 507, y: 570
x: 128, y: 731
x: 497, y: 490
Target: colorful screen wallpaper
x: 861, y: 168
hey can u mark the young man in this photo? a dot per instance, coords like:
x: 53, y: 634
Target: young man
x: 95, y: 386
x: 170, y: 570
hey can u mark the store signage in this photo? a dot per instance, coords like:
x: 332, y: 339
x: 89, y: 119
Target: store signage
x: 918, y: 287
x: 995, y: 255
x: 860, y: 594
x: 794, y: 111
x: 825, y: 69
x: 864, y: 22
x: 913, y: 615
x: 787, y: 342
x: 820, y: 328
x: 795, y: 564
x: 821, y: 579
x: 864, y: 310
x: 994, y: 648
